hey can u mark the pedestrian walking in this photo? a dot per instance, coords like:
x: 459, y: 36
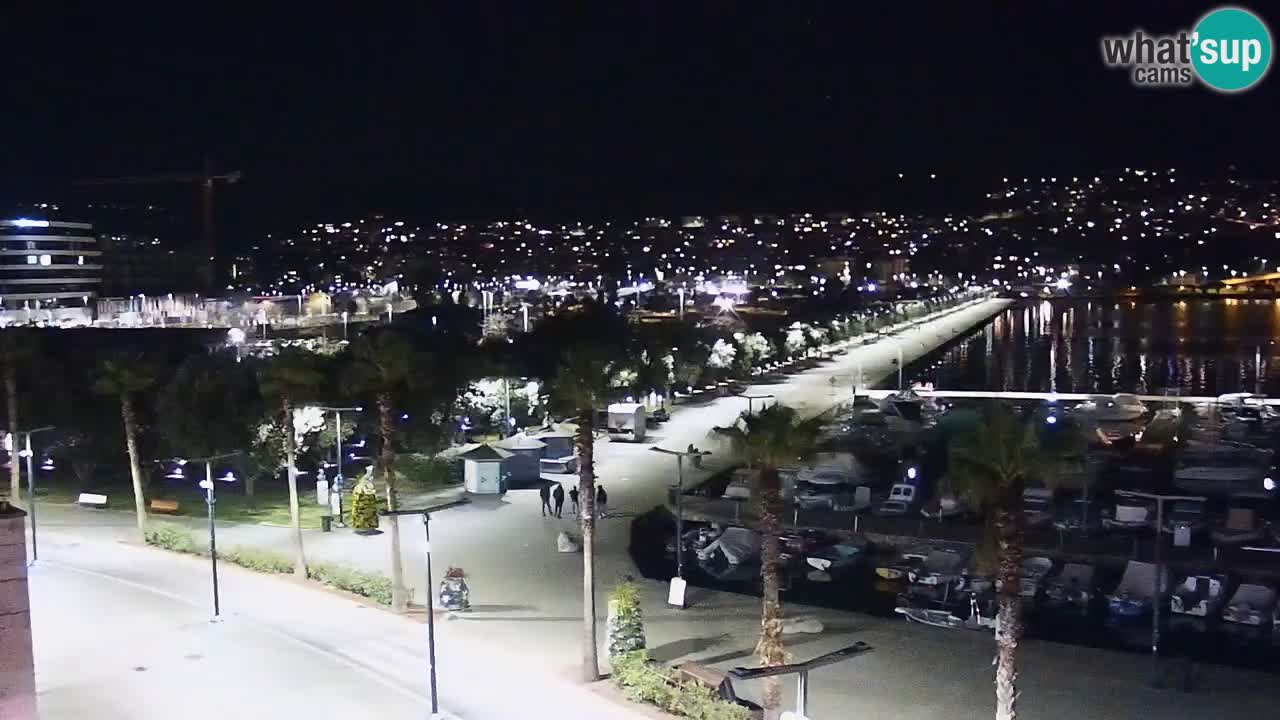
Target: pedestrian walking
x: 602, y: 501
x: 544, y: 492
x: 573, y: 500
x: 558, y: 496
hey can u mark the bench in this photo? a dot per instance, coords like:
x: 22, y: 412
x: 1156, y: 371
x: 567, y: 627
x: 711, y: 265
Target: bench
x: 93, y: 500
x: 717, y: 681
x: 164, y: 506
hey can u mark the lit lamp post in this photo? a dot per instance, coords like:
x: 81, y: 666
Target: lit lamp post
x: 210, y: 499
x: 1158, y: 592
x: 676, y: 595
x: 27, y: 453
x: 335, y: 497
x: 431, y: 614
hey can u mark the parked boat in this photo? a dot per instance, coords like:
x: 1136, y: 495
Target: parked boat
x: 1186, y: 513
x: 1075, y: 585
x: 902, y: 565
x: 1242, y: 526
x: 1251, y: 605
x: 976, y: 619
x: 926, y: 616
x: 942, y: 567
x: 1121, y: 407
x: 1134, y: 595
x: 835, y: 558
x: 1034, y: 571
x: 901, y: 497
x: 1131, y: 514
x: 1221, y: 468
x: 1199, y: 596
x: 735, y: 545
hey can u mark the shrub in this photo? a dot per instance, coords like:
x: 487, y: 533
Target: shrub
x: 374, y: 587
x: 171, y: 537
x: 647, y: 682
x: 625, y: 626
x: 178, y: 539
x: 364, y: 506
x: 264, y: 561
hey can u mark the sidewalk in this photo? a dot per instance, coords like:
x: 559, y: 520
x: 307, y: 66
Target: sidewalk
x: 143, y: 647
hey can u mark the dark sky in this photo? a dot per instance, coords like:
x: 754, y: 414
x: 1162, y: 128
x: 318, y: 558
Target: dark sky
x: 588, y: 108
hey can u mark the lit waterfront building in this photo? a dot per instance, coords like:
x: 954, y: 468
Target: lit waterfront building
x: 50, y: 271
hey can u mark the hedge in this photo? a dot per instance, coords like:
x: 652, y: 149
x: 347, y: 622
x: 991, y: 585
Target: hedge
x: 369, y: 585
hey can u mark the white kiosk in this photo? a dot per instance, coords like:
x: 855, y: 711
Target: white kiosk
x: 626, y: 422
x: 484, y: 470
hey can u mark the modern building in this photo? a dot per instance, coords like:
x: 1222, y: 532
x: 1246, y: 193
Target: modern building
x: 50, y: 271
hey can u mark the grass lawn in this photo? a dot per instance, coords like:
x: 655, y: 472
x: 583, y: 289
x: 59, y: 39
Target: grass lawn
x: 268, y: 506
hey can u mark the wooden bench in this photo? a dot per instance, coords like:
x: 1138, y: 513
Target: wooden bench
x: 164, y: 506
x: 717, y: 681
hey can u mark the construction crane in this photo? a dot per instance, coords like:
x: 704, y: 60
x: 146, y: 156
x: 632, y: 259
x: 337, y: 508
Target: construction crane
x: 206, y: 180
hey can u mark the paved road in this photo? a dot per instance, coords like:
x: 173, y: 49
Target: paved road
x: 124, y: 633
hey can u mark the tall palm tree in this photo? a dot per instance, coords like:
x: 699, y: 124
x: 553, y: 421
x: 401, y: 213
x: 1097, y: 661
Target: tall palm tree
x: 292, y: 376
x: 123, y: 377
x: 382, y: 365
x: 578, y: 389
x: 990, y: 464
x: 775, y: 436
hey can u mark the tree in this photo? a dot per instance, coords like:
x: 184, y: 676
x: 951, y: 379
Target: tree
x: 124, y: 377
x: 382, y: 366
x: 209, y: 407
x: 17, y: 348
x: 578, y: 388
x: 290, y: 377
x: 990, y: 463
x: 773, y: 437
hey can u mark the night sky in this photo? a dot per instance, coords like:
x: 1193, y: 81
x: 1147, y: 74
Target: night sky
x: 552, y: 108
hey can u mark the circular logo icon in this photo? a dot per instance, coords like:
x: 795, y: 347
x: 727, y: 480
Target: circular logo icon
x: 1231, y: 49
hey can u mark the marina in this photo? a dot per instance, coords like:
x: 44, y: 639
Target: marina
x: 1172, y: 513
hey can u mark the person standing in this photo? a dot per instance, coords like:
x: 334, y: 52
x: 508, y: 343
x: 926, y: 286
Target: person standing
x: 544, y: 492
x: 573, y: 499
x: 558, y: 496
x: 602, y: 502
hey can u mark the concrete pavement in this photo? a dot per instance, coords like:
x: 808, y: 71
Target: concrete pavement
x: 124, y: 632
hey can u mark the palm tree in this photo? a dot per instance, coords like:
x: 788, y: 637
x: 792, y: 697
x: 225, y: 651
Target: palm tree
x: 382, y: 366
x: 124, y: 377
x: 577, y: 389
x: 991, y: 462
x: 775, y: 436
x: 293, y: 375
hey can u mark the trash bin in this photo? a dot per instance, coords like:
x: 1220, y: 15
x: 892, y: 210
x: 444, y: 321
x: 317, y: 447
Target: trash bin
x: 326, y: 523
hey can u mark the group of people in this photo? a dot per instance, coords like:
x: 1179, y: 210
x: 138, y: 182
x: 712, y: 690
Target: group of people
x: 556, y: 496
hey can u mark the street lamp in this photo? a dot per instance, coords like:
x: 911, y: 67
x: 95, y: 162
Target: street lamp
x: 210, y: 499
x: 751, y: 402
x: 335, y: 497
x: 1158, y: 594
x: 431, y: 613
x: 676, y: 596
x: 31, y: 488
